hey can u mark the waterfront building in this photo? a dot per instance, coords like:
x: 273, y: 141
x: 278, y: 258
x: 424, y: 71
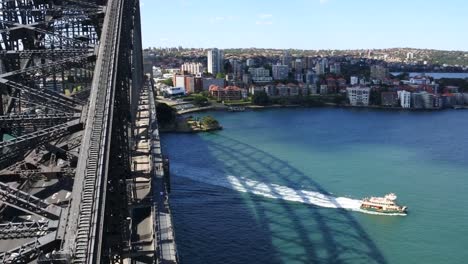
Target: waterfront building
x: 331, y: 85
x: 270, y: 90
x: 417, y: 100
x: 192, y: 68
x: 207, y: 82
x: 215, y: 61
x: 173, y: 91
x: 341, y: 83
x: 185, y: 81
x: 256, y: 89
x: 428, y: 100
x: 303, y: 89
x: 260, y: 75
x: 389, y: 98
x: 293, y: 90
x: 358, y: 96
x: 379, y: 72
x: 282, y: 89
x: 280, y: 72
x: 405, y: 99
x: 323, y: 89
x: 312, y: 88
x: 226, y: 94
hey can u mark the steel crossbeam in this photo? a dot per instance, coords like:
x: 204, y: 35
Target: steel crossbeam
x: 25, y: 120
x: 46, y: 98
x: 28, y: 251
x: 12, y: 148
x: 28, y: 203
x: 45, y: 53
x: 52, y: 66
x: 26, y: 229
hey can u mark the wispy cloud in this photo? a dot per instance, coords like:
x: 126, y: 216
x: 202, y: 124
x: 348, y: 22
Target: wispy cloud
x: 324, y: 1
x: 265, y: 16
x: 264, y: 19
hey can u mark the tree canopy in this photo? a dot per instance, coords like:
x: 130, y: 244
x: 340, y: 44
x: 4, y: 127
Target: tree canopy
x: 168, y: 82
x: 260, y: 98
x: 209, y: 122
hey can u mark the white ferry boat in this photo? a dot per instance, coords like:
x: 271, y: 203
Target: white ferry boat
x: 384, y: 204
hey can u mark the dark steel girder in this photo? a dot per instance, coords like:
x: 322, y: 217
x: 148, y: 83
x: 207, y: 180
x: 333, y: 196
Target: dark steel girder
x: 44, y: 53
x: 64, y: 18
x: 52, y: 66
x: 10, y: 121
x: 12, y: 149
x: 26, y: 229
x: 28, y: 251
x: 46, y: 98
x: 28, y: 203
x: 26, y: 174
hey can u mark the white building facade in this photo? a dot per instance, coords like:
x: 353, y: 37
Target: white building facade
x: 215, y: 61
x: 405, y: 99
x: 358, y: 96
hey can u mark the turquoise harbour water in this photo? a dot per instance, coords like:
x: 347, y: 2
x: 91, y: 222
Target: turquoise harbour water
x: 247, y: 194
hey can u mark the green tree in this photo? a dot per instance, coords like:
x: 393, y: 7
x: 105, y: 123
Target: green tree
x: 220, y: 75
x: 200, y: 100
x: 165, y: 114
x: 260, y: 98
x: 168, y: 82
x: 209, y: 122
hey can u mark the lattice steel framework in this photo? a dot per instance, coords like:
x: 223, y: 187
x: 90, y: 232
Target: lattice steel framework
x: 70, y: 74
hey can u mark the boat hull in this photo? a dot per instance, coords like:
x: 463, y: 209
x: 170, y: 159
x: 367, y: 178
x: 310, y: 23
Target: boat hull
x: 370, y: 209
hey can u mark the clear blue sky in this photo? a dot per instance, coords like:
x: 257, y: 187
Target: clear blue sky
x: 306, y: 24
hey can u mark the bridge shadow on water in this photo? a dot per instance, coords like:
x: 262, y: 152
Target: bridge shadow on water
x: 298, y: 233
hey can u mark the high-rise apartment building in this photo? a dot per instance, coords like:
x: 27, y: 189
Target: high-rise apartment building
x: 379, y: 72
x: 215, y: 61
x: 280, y: 72
x: 286, y: 58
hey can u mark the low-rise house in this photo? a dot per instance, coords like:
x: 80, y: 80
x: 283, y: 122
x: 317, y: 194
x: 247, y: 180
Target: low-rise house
x: 293, y: 89
x: 270, y: 90
x: 282, y: 90
x: 323, y: 89
x: 226, y: 94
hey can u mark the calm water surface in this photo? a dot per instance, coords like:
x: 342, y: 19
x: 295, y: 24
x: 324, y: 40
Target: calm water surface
x: 234, y: 191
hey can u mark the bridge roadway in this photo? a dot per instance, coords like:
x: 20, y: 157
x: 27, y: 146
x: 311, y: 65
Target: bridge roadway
x: 165, y: 238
